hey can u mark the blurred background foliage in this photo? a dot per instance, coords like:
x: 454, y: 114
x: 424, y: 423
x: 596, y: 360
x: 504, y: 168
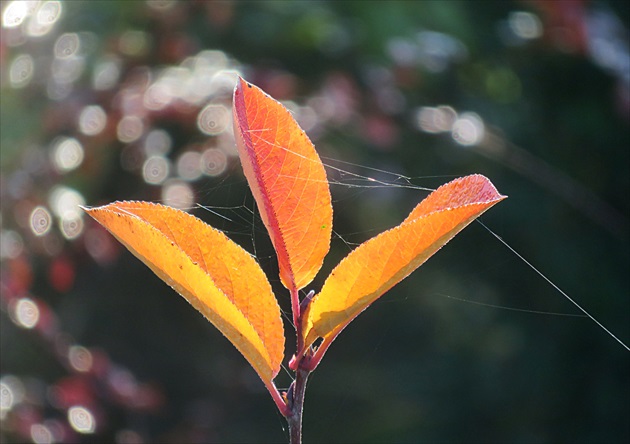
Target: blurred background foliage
x: 106, y: 100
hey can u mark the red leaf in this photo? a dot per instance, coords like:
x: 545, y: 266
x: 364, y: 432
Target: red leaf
x: 288, y: 181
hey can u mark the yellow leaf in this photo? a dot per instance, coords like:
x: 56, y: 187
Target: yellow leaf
x: 214, y: 274
x: 380, y: 263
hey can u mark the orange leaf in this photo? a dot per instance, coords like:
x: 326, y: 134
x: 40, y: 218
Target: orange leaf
x: 288, y: 181
x: 215, y: 275
x: 380, y: 263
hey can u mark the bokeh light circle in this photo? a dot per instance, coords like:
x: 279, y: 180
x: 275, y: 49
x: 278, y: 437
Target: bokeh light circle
x: 49, y: 12
x: 468, y: 129
x: 65, y: 201
x: 213, y: 119
x: 40, y: 434
x: 80, y: 358
x: 40, y: 221
x: 189, y: 165
x: 81, y: 419
x: 213, y: 162
x: 71, y: 225
x: 11, y: 244
x: 92, y: 120
x: 129, y: 129
x: 178, y: 194
x: 14, y: 14
x: 158, y: 142
x: 67, y: 45
x: 155, y: 170
x: 25, y: 313
x: 67, y: 154
x: 21, y: 71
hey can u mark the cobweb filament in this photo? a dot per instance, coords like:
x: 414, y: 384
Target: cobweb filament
x: 503, y: 307
x: 406, y: 180
x: 341, y: 177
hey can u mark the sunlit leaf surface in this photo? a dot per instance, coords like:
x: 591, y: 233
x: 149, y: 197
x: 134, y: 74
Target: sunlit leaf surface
x: 215, y: 275
x: 288, y: 181
x: 383, y: 261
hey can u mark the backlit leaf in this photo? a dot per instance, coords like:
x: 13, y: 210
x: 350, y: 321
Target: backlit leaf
x: 215, y: 275
x: 288, y: 181
x: 381, y: 262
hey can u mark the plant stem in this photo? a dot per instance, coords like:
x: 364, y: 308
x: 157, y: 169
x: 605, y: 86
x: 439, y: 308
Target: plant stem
x: 295, y: 308
x: 297, y: 406
x: 277, y: 398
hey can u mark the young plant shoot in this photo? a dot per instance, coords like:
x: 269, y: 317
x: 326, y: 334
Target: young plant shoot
x: 288, y: 180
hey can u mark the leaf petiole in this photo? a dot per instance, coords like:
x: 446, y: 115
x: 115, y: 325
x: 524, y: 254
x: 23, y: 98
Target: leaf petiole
x: 278, y: 399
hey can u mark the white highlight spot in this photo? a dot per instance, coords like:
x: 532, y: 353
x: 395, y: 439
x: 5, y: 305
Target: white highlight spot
x: 65, y: 201
x: 67, y: 45
x: 11, y: 394
x: 178, y: 194
x: 21, y: 71
x: 129, y: 129
x: 11, y: 244
x: 80, y: 358
x: 25, y: 313
x: 92, y: 120
x: 106, y: 73
x: 189, y: 165
x: 157, y: 143
x: 81, y: 419
x: 525, y: 25
x: 40, y: 434
x: 49, y: 13
x: 40, y: 221
x: 213, y: 162
x: 155, y: 170
x: 67, y: 154
x: 213, y: 119
x: 436, y: 120
x: 14, y: 14
x: 468, y: 130
x: 71, y: 225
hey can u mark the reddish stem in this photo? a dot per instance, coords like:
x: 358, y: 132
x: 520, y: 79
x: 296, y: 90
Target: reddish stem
x: 295, y: 308
x: 317, y: 356
x: 277, y: 398
x: 296, y: 406
x: 295, y: 396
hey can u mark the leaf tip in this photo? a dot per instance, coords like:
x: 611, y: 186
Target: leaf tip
x: 240, y: 84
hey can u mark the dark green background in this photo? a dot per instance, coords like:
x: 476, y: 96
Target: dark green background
x: 419, y: 365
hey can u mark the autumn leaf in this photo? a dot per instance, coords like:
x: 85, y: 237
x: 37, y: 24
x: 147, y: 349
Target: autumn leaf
x: 288, y: 182
x: 380, y: 263
x: 214, y: 274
